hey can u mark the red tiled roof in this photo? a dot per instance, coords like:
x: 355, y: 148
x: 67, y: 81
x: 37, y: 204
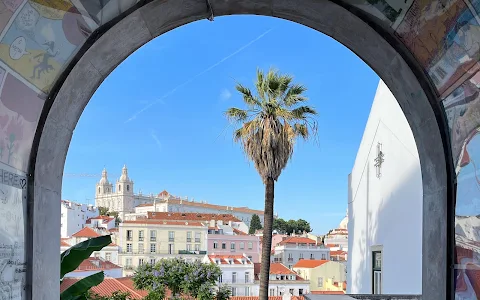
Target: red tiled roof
x: 95, y: 264
x: 191, y: 216
x: 275, y: 268
x: 238, y: 232
x: 269, y: 298
x: 309, y: 263
x: 64, y: 243
x: 327, y: 292
x: 109, y: 286
x: 160, y: 222
x: 338, y: 252
x: 105, y: 219
x: 113, y: 230
x: 224, y: 259
x: 86, y: 232
x: 297, y: 240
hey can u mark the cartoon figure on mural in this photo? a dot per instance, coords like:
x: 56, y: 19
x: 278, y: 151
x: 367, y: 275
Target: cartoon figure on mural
x: 43, y: 65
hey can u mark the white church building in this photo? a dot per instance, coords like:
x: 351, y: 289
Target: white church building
x: 385, y: 205
x: 120, y: 197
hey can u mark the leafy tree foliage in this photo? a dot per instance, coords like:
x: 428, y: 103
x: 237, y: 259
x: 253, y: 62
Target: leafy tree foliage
x: 118, y: 295
x: 291, y: 226
x: 191, y: 279
x: 255, y: 224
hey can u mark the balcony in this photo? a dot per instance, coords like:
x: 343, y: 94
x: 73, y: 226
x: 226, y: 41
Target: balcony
x: 230, y: 281
x: 153, y: 239
x: 189, y: 252
x: 171, y: 239
x: 140, y: 239
x: 197, y: 240
x: 290, y: 259
x: 277, y: 259
x: 129, y: 238
x: 189, y: 240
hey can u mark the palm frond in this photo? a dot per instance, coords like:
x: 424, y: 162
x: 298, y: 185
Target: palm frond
x: 247, y: 95
x: 236, y: 114
x: 303, y: 112
x: 294, y: 95
x: 301, y: 130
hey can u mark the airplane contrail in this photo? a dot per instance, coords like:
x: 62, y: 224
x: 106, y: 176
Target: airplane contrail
x: 160, y: 100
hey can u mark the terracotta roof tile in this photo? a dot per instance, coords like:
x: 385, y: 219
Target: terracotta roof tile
x: 191, y: 216
x: 310, y: 263
x: 95, y: 264
x: 297, y: 240
x: 108, y: 287
x: 269, y: 298
x: 238, y: 232
x: 86, y: 232
x: 224, y: 259
x: 64, y: 244
x: 160, y: 222
x: 275, y: 268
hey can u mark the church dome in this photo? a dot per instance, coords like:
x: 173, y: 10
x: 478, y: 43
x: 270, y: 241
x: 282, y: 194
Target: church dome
x: 344, y: 223
x: 124, y: 176
x: 104, y: 180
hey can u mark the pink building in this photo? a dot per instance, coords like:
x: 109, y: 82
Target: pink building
x: 238, y: 243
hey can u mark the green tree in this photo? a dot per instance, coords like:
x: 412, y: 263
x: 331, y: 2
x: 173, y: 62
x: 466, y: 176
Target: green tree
x: 303, y: 226
x: 103, y: 211
x: 271, y: 123
x: 280, y: 225
x: 117, y: 295
x: 193, y: 279
x: 255, y: 224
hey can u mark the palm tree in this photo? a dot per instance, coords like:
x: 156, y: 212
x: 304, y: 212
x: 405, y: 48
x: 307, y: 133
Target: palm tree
x: 270, y: 125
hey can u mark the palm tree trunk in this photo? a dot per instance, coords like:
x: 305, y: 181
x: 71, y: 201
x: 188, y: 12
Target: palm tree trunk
x: 267, y: 238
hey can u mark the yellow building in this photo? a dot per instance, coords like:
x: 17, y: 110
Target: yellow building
x: 145, y: 241
x: 324, y: 275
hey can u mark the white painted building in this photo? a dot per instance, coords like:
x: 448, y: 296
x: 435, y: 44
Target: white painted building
x: 385, y: 205
x: 283, y: 280
x: 237, y: 273
x: 73, y: 216
x: 120, y: 197
x: 101, y: 222
x: 292, y: 249
x: 109, y: 253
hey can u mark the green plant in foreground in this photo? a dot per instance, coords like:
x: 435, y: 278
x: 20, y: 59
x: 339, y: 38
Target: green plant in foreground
x: 72, y: 258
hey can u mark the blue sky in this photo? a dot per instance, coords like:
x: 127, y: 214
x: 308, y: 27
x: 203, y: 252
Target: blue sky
x: 161, y: 113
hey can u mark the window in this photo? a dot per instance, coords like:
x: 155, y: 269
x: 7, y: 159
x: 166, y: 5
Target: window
x: 99, y: 190
x: 140, y: 236
x: 250, y: 245
x: 242, y: 245
x: 129, y: 235
x: 232, y: 246
x: 119, y: 188
x: 320, y: 282
x: 171, y: 236
x: 153, y: 248
x: 153, y: 235
x: 170, y: 249
x: 140, y: 248
x: 215, y: 245
x: 189, y: 247
x: 129, y: 248
x: 301, y: 255
x: 234, y: 291
x: 300, y: 292
x: 128, y: 262
x: 189, y: 236
x: 377, y: 272
x: 108, y: 256
x: 197, y: 237
x: 290, y: 257
x: 152, y: 261
x: 140, y: 262
x: 224, y: 245
x: 247, y: 291
x: 250, y: 258
x: 128, y: 187
x: 247, y: 278
x: 272, y: 292
x: 234, y: 277
x: 291, y: 291
x: 197, y: 247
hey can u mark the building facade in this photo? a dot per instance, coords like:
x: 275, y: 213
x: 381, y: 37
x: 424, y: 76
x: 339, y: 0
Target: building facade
x: 237, y: 273
x: 283, y: 280
x: 94, y: 265
x: 148, y: 240
x: 292, y: 249
x: 322, y: 274
x: 74, y: 216
x: 101, y: 222
x: 220, y: 243
x: 120, y: 197
x: 385, y: 204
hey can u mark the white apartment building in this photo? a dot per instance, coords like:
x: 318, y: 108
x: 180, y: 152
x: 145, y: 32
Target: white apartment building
x: 237, y: 273
x: 120, y: 197
x: 108, y: 253
x: 73, y: 216
x: 101, y: 222
x: 283, y: 280
x: 385, y: 186
x: 292, y: 249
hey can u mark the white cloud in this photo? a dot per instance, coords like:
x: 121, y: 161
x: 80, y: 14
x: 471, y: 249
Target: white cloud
x: 155, y: 139
x: 225, y: 95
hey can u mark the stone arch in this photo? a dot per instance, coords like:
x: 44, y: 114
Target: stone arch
x: 376, y: 47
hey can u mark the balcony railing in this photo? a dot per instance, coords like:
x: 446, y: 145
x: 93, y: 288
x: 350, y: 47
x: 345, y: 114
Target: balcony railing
x: 237, y: 281
x: 290, y: 259
x: 153, y: 239
x: 129, y: 238
x: 170, y: 239
x: 189, y: 240
x: 192, y: 252
x: 197, y: 240
x: 147, y: 253
x: 140, y: 238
